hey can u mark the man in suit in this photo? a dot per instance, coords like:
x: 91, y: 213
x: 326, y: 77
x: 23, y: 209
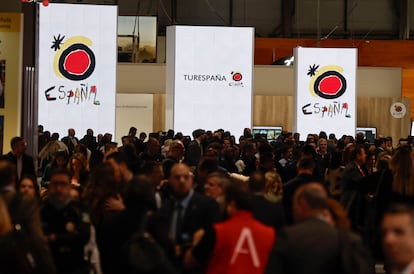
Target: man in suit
x: 18, y: 157
x: 70, y: 141
x: 188, y: 211
x: 195, y: 149
x: 351, y: 184
x: 311, y: 245
x: 265, y: 211
x: 305, y: 168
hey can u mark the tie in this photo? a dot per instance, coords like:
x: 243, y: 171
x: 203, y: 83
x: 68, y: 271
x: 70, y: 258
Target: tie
x: 178, y: 222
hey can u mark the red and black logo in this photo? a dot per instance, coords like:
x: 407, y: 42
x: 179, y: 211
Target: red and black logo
x: 74, y: 59
x: 237, y: 76
x: 77, y: 62
x: 328, y: 83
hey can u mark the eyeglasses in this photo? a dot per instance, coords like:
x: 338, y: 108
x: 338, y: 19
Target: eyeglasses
x: 60, y: 183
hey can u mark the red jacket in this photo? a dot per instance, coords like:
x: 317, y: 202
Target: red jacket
x: 242, y: 245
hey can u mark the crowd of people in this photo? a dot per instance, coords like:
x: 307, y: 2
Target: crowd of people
x: 169, y: 203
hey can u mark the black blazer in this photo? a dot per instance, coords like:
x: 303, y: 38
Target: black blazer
x: 201, y: 212
x: 28, y: 163
x: 269, y: 213
x: 193, y: 153
x: 311, y: 246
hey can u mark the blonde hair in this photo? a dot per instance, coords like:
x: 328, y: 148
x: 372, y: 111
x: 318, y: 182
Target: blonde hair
x: 5, y: 221
x: 274, y: 183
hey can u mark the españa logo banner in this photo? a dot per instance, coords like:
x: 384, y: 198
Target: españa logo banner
x: 325, y: 91
x: 77, y: 67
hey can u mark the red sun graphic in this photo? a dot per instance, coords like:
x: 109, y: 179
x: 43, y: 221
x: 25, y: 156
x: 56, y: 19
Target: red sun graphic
x: 237, y: 76
x: 77, y: 62
x: 330, y: 85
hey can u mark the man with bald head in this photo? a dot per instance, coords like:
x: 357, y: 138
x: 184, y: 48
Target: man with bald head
x: 311, y: 245
x: 182, y: 215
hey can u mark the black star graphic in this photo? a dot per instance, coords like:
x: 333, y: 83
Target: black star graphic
x: 57, y: 42
x: 312, y: 70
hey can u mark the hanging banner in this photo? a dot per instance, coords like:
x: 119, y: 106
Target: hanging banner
x: 325, y: 98
x: 77, y: 67
x: 209, y: 78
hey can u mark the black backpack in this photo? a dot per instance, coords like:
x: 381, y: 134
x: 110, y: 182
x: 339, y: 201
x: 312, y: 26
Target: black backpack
x: 145, y: 256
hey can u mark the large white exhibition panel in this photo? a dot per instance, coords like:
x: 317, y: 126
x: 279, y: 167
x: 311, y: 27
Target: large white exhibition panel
x: 325, y: 97
x: 77, y: 67
x: 209, y: 78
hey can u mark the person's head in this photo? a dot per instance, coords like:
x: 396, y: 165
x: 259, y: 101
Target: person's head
x: 380, y: 142
x: 89, y: 132
x: 199, y: 134
x: 305, y: 165
x: 132, y: 131
x: 181, y: 180
x: 77, y: 163
x: 18, y: 145
x: 176, y: 150
x: 71, y: 132
x: 322, y: 145
x: 309, y: 200
x: 274, y: 184
x: 119, y: 161
x: 60, y: 159
x: 257, y: 182
x: 214, y: 185
x: 382, y: 161
x: 142, y: 136
x: 238, y: 197
x: 7, y: 174
x: 139, y: 194
x: 28, y: 185
x: 153, y: 146
x: 267, y: 161
x: 59, y: 185
x: 55, y: 136
x: 397, y: 229
x: 359, y: 154
x: 153, y: 170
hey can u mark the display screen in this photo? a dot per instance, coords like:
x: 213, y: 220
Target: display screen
x: 370, y: 133
x: 271, y: 133
x: 209, y: 78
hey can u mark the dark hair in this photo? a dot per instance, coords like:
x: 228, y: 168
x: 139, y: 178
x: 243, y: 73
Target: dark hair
x: 33, y: 179
x: 7, y: 173
x: 306, y: 163
x: 241, y: 196
x: 118, y: 157
x: 148, y: 166
x: 401, y: 208
x: 357, y: 150
x: 257, y: 181
x: 139, y: 194
x: 15, y: 140
x: 59, y: 171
